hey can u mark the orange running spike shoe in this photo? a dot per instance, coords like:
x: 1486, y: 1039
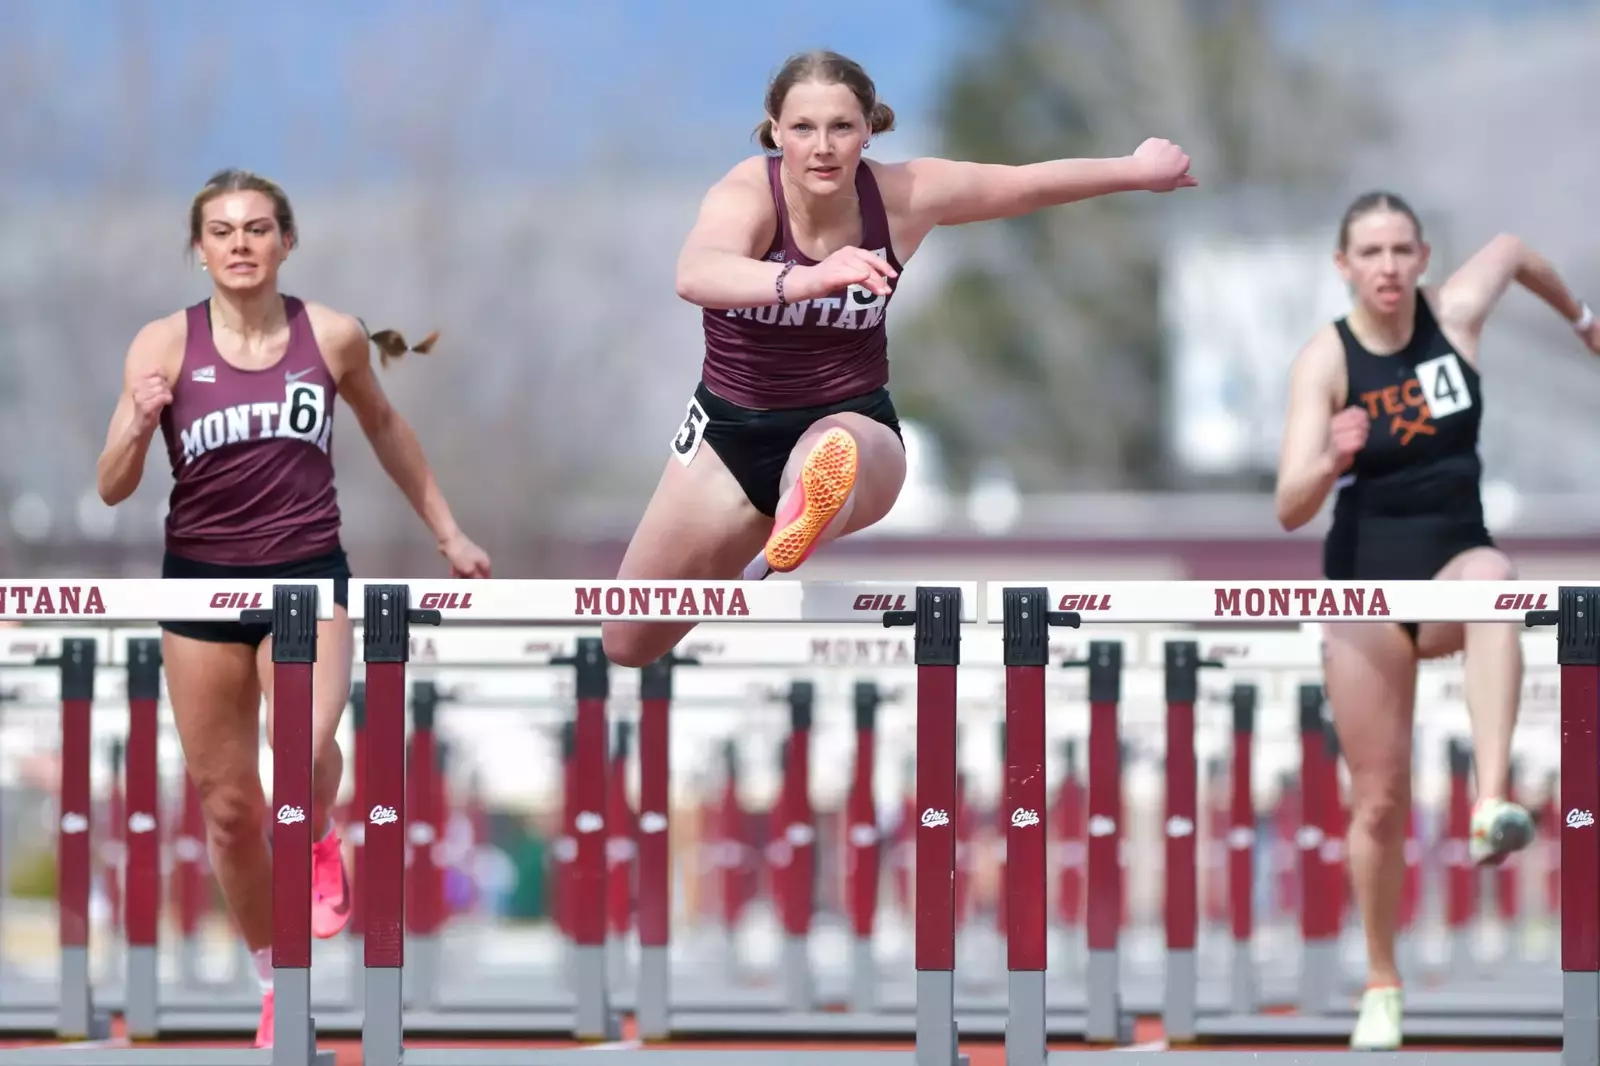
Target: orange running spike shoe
x: 826, y: 478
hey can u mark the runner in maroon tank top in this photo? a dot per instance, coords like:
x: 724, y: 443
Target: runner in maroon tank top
x: 242, y: 386
x: 791, y: 438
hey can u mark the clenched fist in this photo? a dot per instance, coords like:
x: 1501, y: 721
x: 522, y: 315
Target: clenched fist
x: 1347, y: 434
x: 150, y: 394
x: 1163, y: 166
x: 846, y: 267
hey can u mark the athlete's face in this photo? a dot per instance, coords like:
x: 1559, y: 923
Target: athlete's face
x: 240, y: 242
x: 1383, y: 261
x: 821, y: 131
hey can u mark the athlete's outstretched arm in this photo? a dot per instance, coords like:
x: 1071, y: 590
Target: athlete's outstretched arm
x: 393, y: 440
x: 946, y: 192
x: 720, y: 265
x: 1311, y: 455
x: 145, y: 391
x: 1469, y: 294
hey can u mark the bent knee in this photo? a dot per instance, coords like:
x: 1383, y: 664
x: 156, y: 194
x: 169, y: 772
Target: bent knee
x: 233, y: 815
x: 1382, y: 810
x: 631, y: 644
x: 1487, y: 565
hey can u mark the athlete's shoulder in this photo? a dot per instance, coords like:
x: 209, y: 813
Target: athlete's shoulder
x: 159, y: 343
x: 336, y: 331
x: 1321, y: 359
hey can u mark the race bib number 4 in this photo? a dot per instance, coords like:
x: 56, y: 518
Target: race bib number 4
x: 1444, y: 386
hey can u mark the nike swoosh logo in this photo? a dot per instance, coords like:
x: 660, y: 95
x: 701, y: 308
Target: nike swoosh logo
x: 297, y: 375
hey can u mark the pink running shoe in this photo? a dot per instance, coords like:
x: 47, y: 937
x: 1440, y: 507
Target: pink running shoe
x: 825, y: 482
x: 264, y: 1032
x: 330, y: 888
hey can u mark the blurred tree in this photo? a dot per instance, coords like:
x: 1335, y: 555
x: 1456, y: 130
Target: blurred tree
x: 1044, y: 349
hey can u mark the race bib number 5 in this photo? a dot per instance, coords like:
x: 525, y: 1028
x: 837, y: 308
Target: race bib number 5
x: 690, y: 433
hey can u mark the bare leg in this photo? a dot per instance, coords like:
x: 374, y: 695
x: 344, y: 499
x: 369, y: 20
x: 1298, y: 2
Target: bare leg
x: 697, y: 526
x: 1371, y: 678
x: 216, y: 707
x: 1493, y: 672
x: 1494, y: 692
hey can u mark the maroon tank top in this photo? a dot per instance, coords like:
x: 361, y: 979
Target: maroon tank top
x: 251, y: 451
x: 813, y: 352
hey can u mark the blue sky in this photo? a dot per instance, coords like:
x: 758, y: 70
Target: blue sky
x: 318, y: 92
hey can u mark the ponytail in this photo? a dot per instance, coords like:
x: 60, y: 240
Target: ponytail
x: 392, y: 344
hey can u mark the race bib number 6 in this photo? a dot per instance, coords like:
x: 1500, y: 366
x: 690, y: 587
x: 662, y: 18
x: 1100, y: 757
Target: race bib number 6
x: 305, y: 403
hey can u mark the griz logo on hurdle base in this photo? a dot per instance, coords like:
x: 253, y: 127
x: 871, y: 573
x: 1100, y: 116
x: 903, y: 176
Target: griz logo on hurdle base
x: 1018, y: 617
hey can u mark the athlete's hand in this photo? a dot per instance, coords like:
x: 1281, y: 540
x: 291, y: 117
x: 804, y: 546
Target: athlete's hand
x: 1591, y: 336
x: 1347, y: 435
x: 1162, y: 166
x: 466, y: 559
x: 150, y: 394
x: 848, y: 266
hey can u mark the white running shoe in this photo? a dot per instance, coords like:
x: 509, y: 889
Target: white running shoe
x: 1498, y: 829
x: 1378, y: 1023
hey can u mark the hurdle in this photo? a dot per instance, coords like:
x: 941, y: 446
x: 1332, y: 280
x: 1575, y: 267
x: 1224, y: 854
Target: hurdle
x: 1439, y: 1014
x: 935, y: 613
x: 293, y: 614
x: 1577, y: 622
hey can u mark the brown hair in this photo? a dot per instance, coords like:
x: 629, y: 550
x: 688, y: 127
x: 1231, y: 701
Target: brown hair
x: 1368, y: 202
x: 828, y: 68
x: 391, y: 343
x: 235, y: 180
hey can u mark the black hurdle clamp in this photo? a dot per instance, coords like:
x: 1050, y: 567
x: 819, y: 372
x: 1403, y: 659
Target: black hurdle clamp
x: 77, y: 665
x: 1181, y: 670
x: 1577, y: 622
x: 655, y: 677
x: 592, y: 667
x: 937, y: 622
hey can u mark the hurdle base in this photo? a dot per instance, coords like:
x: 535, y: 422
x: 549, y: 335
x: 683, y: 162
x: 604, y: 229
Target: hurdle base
x: 863, y: 996
x: 1290, y: 1028
x: 142, y: 1013
x: 1580, y: 992
x: 1025, y: 1019
x: 152, y: 1056
x: 936, y: 1018
x: 77, y: 1018
x: 820, y: 1026
x: 1156, y: 1057
x: 1105, y: 998
x: 382, y: 1034
x: 44, y: 1022
x: 594, y: 1018
x: 1320, y: 970
x: 800, y: 994
x: 1178, y: 1006
x: 1244, y: 996
x: 653, y: 995
x: 657, y: 1057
